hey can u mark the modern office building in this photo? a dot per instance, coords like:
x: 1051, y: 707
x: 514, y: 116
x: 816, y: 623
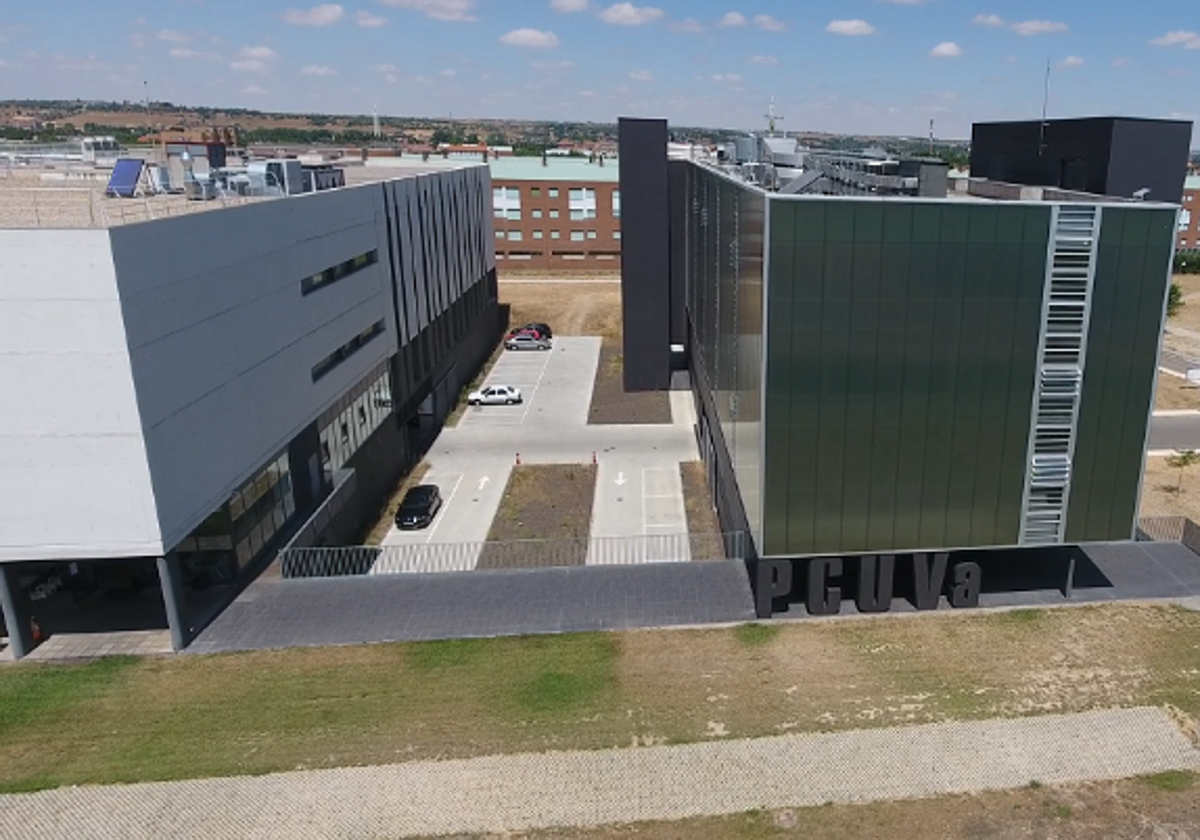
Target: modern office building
x: 184, y: 390
x: 890, y: 375
x: 556, y: 213
x: 1116, y: 156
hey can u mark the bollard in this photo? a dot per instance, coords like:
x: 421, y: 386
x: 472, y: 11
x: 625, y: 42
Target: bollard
x: 593, y: 459
x: 518, y: 459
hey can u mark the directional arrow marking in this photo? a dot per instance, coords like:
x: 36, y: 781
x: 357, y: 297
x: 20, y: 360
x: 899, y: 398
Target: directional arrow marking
x: 620, y: 479
x: 483, y: 482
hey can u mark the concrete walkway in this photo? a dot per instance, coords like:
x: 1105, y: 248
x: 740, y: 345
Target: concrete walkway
x: 526, y: 792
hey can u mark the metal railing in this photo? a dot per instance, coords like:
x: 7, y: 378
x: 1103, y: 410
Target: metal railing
x: 1178, y: 529
x: 425, y: 558
x: 82, y: 207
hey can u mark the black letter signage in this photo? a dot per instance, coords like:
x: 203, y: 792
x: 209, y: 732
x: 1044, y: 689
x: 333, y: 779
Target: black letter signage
x: 875, y: 576
x: 824, y: 599
x: 967, y: 579
x: 774, y: 581
x: 927, y: 582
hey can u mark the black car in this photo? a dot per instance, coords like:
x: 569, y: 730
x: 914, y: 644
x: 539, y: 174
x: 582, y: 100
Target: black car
x: 419, y: 507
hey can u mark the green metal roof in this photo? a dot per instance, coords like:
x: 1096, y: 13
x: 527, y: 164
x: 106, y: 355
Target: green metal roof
x: 556, y: 169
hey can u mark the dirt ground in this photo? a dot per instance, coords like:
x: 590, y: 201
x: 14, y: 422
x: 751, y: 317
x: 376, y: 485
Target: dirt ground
x: 701, y: 518
x: 1175, y: 393
x: 1164, y: 495
x: 543, y: 502
x: 1187, y: 318
x: 573, y: 307
x: 1163, y: 807
x: 612, y: 404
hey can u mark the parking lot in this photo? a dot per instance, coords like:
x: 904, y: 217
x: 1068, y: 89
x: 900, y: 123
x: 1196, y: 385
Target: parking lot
x: 556, y: 385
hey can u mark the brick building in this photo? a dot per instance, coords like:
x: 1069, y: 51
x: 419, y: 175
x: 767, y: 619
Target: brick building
x: 1188, y: 237
x: 563, y: 214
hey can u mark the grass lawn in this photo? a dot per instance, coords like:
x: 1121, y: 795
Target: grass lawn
x: 1164, y: 495
x: 1165, y: 806
x: 124, y: 720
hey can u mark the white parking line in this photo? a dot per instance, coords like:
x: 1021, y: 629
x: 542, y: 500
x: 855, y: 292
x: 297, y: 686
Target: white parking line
x: 536, y: 385
x: 437, y: 520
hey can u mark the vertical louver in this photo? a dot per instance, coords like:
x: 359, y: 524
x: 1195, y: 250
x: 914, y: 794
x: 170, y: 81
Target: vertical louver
x: 1062, y: 350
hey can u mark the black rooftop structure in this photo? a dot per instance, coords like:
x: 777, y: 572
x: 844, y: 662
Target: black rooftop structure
x: 1124, y: 157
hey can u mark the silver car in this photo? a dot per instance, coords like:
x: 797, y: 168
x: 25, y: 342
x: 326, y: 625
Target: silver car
x: 495, y: 395
x: 526, y: 342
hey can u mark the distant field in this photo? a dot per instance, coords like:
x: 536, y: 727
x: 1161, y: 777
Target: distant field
x: 124, y: 720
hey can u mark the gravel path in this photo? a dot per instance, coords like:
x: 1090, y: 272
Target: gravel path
x: 521, y: 792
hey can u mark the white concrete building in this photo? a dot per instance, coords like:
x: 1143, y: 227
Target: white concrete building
x: 184, y: 389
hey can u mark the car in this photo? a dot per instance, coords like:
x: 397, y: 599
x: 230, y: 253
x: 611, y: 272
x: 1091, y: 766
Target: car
x: 524, y: 331
x: 495, y: 395
x: 544, y: 329
x: 523, y: 341
x: 419, y: 506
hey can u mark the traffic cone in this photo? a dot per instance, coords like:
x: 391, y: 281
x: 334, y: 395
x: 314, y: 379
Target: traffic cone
x: 518, y: 459
x: 593, y: 459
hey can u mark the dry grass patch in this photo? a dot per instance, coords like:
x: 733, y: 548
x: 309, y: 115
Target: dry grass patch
x: 702, y: 522
x: 543, y: 502
x: 1131, y: 808
x: 1174, y: 393
x: 570, y: 307
x: 1163, y: 495
x: 308, y: 708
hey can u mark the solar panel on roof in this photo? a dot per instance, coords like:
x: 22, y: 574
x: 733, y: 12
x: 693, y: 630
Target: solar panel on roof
x: 126, y: 176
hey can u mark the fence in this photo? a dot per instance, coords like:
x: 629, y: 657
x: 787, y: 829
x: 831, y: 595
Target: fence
x: 415, y: 558
x: 83, y: 207
x: 1178, y: 529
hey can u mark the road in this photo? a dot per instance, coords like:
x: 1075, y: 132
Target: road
x: 1174, y: 431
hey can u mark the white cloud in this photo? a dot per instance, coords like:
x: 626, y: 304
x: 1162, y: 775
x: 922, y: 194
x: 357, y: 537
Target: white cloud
x: 369, y: 21
x: 766, y: 60
x: 627, y: 14
x: 1039, y: 27
x: 733, y: 19
x: 529, y: 38
x: 946, y: 49
x: 1071, y: 61
x: 769, y: 24
x: 201, y: 55
x: 988, y: 20
x: 552, y: 65
x: 253, y: 59
x: 568, y: 6
x: 318, y: 70
x: 385, y: 68
x: 456, y: 10
x: 1120, y: 62
x: 731, y: 78
x: 448, y: 73
x: 850, y: 27
x: 1189, y: 39
x: 259, y: 53
x: 316, y: 16
x: 642, y: 76
x: 173, y: 35
x: 690, y: 25
x: 253, y: 90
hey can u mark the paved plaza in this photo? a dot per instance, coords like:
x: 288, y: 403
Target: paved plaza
x: 501, y: 794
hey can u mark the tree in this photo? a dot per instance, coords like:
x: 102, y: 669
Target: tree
x: 1174, y: 300
x: 1181, y: 460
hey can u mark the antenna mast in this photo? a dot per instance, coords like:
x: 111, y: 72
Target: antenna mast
x: 772, y: 118
x: 1045, y: 107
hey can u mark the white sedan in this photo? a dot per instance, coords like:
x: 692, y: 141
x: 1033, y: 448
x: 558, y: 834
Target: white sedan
x: 495, y: 395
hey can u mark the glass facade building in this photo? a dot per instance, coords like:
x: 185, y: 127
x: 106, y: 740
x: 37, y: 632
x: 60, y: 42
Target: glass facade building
x: 906, y: 374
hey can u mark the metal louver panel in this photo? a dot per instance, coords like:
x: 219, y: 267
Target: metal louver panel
x: 1075, y: 230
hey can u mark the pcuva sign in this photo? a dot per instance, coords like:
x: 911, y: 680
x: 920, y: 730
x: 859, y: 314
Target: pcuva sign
x: 870, y: 581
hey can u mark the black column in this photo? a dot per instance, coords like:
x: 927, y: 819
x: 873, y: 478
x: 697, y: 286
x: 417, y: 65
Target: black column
x: 645, y: 254
x: 16, y: 611
x: 679, y: 207
x: 171, y: 578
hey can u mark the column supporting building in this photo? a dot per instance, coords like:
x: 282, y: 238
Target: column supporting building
x: 15, y: 604
x: 170, y: 576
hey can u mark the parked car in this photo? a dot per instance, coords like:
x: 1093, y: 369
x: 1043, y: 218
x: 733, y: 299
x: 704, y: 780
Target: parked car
x: 495, y: 395
x: 544, y: 329
x: 419, y: 506
x: 525, y: 341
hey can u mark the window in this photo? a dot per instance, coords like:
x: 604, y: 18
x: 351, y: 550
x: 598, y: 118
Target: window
x: 513, y: 215
x: 576, y: 236
x: 362, y: 416
x: 582, y: 203
x: 514, y: 236
x: 499, y: 234
x: 338, y: 272
x: 1188, y: 198
x: 535, y: 192
x: 616, y: 204
x: 537, y: 234
x: 1185, y: 220
x: 554, y: 234
x: 537, y: 214
x: 553, y: 192
x: 347, y: 350
x: 553, y: 214
x: 591, y: 234
x: 505, y: 202
x: 616, y: 234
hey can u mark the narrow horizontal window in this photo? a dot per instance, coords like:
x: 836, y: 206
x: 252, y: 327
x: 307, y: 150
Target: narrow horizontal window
x: 347, y: 350
x: 338, y: 272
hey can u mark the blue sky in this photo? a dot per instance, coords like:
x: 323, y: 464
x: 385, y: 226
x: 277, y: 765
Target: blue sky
x: 881, y: 66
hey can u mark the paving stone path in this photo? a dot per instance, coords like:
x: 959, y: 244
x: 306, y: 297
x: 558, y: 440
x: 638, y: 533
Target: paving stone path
x: 523, y: 792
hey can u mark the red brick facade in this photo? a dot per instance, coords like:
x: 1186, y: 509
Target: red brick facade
x: 564, y: 225
x: 1188, y: 237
